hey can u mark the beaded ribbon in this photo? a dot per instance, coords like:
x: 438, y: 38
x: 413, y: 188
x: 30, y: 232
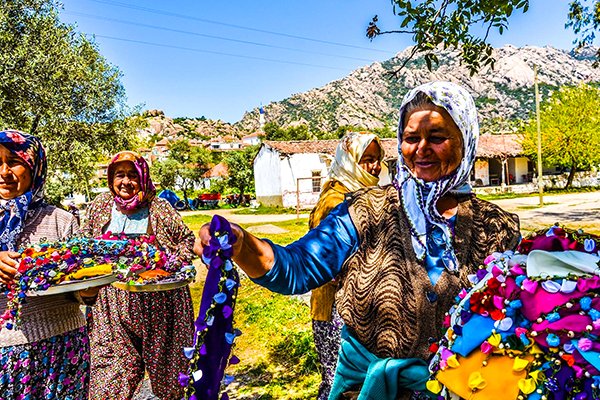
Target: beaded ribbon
x: 549, y: 325
x: 214, y: 332
x: 48, y: 264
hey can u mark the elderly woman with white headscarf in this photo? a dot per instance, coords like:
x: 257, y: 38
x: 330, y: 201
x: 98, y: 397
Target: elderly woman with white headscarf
x: 357, y: 165
x: 400, y: 253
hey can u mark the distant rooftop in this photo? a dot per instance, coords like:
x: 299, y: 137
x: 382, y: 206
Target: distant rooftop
x: 490, y: 146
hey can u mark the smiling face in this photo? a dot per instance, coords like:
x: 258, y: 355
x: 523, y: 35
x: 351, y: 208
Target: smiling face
x: 431, y: 143
x: 126, y: 181
x: 371, y: 159
x: 15, y: 175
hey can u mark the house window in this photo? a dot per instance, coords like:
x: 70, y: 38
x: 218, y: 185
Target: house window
x: 316, y: 181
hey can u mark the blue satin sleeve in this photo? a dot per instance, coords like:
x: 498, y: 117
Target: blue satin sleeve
x: 314, y: 259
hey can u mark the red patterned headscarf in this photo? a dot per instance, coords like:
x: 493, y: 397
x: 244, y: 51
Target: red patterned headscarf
x: 147, y: 189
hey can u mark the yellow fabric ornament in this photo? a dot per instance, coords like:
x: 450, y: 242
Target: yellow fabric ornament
x: 434, y: 386
x: 495, y: 339
x: 476, y: 381
x: 520, y: 364
x: 536, y: 375
x: 453, y: 361
x: 527, y: 386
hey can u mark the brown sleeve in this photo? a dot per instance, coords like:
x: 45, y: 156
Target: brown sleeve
x: 174, y: 233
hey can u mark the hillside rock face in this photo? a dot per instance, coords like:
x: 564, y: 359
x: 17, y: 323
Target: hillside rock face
x: 162, y: 126
x: 370, y: 96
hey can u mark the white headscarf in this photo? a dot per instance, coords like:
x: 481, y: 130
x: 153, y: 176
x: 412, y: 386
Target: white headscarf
x: 419, y: 198
x: 345, y: 168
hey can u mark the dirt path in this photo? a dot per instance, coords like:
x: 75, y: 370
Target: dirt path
x: 574, y: 210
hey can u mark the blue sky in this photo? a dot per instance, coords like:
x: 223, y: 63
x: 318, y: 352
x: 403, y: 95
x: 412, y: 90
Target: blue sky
x: 174, y: 56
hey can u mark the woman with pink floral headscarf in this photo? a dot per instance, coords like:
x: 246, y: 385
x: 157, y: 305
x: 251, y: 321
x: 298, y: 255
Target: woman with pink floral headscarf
x: 133, y: 333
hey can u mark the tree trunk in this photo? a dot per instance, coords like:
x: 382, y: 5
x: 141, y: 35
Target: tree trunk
x: 185, y: 198
x: 34, y: 124
x: 571, y: 176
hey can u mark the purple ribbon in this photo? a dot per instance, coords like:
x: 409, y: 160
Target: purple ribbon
x: 214, y: 332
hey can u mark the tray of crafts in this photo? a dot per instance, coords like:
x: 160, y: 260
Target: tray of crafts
x: 75, y: 285
x: 166, y: 284
x: 155, y: 280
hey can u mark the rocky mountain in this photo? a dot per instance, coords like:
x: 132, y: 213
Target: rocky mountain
x: 370, y: 96
x: 161, y: 126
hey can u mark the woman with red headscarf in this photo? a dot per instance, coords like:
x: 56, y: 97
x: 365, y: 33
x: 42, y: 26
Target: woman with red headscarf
x: 130, y: 332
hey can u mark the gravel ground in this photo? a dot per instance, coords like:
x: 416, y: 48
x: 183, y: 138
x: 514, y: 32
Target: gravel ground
x: 145, y: 392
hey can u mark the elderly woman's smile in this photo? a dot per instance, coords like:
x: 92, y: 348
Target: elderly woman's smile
x: 431, y: 143
x: 126, y: 181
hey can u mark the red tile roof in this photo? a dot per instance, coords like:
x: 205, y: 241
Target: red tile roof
x: 490, y: 146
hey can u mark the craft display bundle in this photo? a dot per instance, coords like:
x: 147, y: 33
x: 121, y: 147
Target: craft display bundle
x: 529, y: 328
x: 214, y: 332
x: 133, y: 260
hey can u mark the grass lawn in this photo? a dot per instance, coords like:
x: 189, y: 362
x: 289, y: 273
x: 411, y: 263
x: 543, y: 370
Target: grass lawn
x: 276, y: 351
x: 266, y: 210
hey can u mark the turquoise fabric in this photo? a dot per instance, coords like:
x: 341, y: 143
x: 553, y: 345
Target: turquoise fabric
x: 380, y: 378
x: 136, y: 223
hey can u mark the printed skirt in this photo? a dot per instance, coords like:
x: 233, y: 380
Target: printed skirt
x: 54, y: 368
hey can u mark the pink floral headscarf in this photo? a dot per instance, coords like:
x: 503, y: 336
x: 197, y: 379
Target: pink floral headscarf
x: 147, y: 189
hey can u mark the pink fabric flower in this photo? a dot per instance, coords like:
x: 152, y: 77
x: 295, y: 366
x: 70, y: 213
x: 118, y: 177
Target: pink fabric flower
x: 486, y: 348
x: 584, y: 344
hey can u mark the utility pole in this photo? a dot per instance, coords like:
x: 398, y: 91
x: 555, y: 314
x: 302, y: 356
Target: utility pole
x: 539, y: 136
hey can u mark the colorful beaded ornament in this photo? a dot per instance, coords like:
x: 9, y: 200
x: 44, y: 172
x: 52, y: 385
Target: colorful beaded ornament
x: 49, y: 264
x: 529, y: 328
x: 214, y: 333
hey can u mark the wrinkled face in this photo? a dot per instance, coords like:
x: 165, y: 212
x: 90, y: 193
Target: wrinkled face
x: 370, y: 160
x: 126, y: 181
x: 431, y: 143
x: 15, y: 175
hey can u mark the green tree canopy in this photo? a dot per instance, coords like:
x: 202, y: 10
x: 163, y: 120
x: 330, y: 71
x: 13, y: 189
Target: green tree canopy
x: 55, y: 84
x: 570, y: 125
x: 276, y: 132
x: 183, y: 168
x: 241, y: 169
x: 466, y: 25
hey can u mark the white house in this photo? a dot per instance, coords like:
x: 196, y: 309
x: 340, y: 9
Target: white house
x: 225, y: 143
x: 290, y: 172
x: 287, y: 173
x: 253, y: 139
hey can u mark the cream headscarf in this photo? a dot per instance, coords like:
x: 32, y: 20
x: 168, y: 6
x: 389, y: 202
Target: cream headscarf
x: 345, y: 168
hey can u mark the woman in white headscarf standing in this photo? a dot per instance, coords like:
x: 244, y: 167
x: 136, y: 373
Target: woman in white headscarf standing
x: 357, y: 165
x: 400, y: 253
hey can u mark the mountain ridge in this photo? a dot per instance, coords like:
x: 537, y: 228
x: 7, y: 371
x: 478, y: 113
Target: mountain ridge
x: 369, y: 96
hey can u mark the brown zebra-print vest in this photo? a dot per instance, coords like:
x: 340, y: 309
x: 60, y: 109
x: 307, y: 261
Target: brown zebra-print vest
x: 385, y: 296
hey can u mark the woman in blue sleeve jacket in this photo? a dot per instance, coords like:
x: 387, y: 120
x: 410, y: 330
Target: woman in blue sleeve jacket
x: 400, y: 253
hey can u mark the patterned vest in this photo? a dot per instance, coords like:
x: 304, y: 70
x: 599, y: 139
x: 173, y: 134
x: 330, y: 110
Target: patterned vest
x: 385, y: 297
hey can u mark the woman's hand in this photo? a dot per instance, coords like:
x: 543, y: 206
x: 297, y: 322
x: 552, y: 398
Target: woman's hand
x: 8, y: 266
x: 204, y: 237
x: 253, y: 255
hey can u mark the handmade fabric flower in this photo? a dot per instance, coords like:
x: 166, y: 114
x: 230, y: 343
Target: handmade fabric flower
x: 545, y: 324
